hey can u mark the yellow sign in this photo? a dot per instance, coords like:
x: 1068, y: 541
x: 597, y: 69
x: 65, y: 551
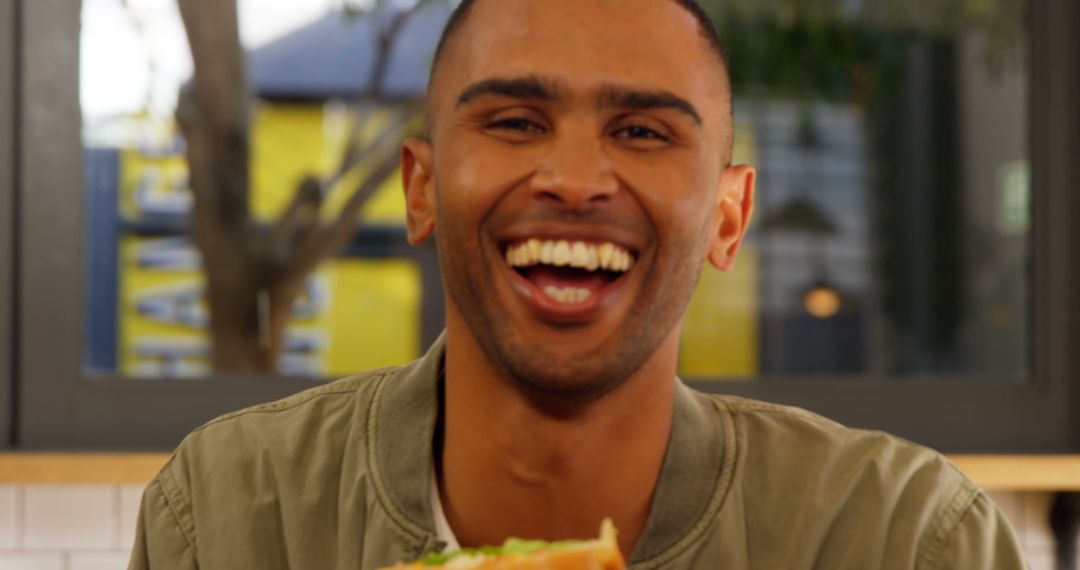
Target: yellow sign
x: 354, y: 315
x: 720, y: 331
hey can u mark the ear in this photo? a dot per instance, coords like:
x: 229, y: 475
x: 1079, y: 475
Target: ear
x: 416, y: 176
x: 731, y: 217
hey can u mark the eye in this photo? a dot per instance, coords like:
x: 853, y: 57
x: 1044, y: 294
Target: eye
x: 520, y: 124
x: 639, y: 132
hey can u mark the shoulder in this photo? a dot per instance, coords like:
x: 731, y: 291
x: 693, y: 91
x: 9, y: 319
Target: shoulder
x: 782, y: 434
x: 775, y: 416
x: 290, y: 420
x: 807, y: 491
x: 795, y: 465
x: 336, y: 397
x: 242, y: 470
x: 305, y: 429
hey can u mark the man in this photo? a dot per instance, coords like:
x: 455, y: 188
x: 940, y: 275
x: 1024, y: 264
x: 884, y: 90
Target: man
x: 576, y: 177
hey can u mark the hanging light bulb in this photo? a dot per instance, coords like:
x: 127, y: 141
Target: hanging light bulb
x: 822, y: 301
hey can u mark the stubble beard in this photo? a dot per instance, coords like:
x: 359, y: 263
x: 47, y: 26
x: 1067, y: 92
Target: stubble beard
x: 555, y: 382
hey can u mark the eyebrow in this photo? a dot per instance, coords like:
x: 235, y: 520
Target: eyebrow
x: 624, y: 98
x: 611, y: 96
x: 530, y: 87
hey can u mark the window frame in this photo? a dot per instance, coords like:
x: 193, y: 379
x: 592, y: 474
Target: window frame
x: 8, y: 146
x: 63, y: 408
x: 954, y: 414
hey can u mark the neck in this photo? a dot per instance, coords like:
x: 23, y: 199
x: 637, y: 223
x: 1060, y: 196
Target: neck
x: 508, y: 468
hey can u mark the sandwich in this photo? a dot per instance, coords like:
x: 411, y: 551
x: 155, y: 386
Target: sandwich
x: 517, y: 554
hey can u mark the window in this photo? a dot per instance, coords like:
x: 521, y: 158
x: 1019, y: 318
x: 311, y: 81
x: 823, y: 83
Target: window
x: 906, y: 271
x: 148, y: 316
x: 892, y: 233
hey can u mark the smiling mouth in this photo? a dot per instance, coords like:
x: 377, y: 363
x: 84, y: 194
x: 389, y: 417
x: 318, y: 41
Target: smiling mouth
x: 569, y: 273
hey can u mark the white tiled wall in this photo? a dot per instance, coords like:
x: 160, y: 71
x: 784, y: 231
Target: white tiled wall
x: 1029, y: 514
x: 67, y: 527
x: 8, y: 518
x: 91, y: 527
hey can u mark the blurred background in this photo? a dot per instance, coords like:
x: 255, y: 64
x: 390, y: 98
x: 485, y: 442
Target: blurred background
x: 891, y: 237
x: 200, y: 209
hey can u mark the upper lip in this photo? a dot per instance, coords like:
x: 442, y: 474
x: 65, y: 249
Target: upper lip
x: 570, y: 232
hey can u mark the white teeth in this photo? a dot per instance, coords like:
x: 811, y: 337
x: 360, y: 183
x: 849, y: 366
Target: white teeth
x: 604, y: 252
x: 593, y: 262
x: 547, y: 252
x: 562, y: 253
x: 579, y: 254
x: 567, y: 295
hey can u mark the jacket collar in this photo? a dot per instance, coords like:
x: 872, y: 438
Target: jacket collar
x: 694, y: 479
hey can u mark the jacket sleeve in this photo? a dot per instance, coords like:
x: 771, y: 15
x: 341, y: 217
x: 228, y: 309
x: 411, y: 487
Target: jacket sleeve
x: 981, y: 538
x: 161, y: 543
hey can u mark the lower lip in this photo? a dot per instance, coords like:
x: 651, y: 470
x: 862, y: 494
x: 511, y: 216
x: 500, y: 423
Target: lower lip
x: 549, y: 309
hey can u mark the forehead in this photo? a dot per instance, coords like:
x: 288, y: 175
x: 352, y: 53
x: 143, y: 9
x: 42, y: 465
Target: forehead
x: 586, y: 44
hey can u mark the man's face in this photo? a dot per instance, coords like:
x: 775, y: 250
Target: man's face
x: 597, y: 128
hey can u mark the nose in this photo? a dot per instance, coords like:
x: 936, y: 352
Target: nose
x: 575, y: 173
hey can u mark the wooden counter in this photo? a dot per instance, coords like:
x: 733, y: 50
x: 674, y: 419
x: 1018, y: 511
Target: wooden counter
x: 998, y: 472
x: 80, y: 468
x: 1022, y: 472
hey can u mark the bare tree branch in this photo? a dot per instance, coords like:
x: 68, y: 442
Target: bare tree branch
x: 370, y: 96
x: 392, y: 134
x: 354, y: 150
x: 339, y: 232
x: 254, y: 274
x: 299, y: 219
x: 331, y: 238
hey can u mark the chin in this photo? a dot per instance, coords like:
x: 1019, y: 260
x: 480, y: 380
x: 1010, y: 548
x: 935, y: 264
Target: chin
x: 565, y: 377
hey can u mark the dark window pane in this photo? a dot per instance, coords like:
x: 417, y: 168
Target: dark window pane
x: 891, y: 234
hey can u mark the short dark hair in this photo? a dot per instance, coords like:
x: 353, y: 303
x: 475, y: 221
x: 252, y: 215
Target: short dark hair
x: 705, y: 26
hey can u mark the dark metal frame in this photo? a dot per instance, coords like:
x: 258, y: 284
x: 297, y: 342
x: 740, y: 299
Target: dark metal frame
x: 8, y: 43
x: 62, y: 408
x: 1061, y: 119
x: 957, y: 414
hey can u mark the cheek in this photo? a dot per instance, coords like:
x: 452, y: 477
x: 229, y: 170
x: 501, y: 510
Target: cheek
x: 676, y: 194
x: 478, y: 164
x: 472, y: 181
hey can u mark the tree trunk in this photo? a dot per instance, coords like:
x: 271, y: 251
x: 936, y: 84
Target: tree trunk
x: 215, y: 118
x: 253, y: 276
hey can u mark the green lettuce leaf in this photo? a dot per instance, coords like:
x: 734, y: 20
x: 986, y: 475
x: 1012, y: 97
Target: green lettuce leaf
x: 511, y: 546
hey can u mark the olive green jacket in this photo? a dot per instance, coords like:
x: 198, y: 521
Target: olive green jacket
x: 338, y: 477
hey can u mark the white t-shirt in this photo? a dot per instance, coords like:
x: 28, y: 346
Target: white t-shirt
x: 442, y: 526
